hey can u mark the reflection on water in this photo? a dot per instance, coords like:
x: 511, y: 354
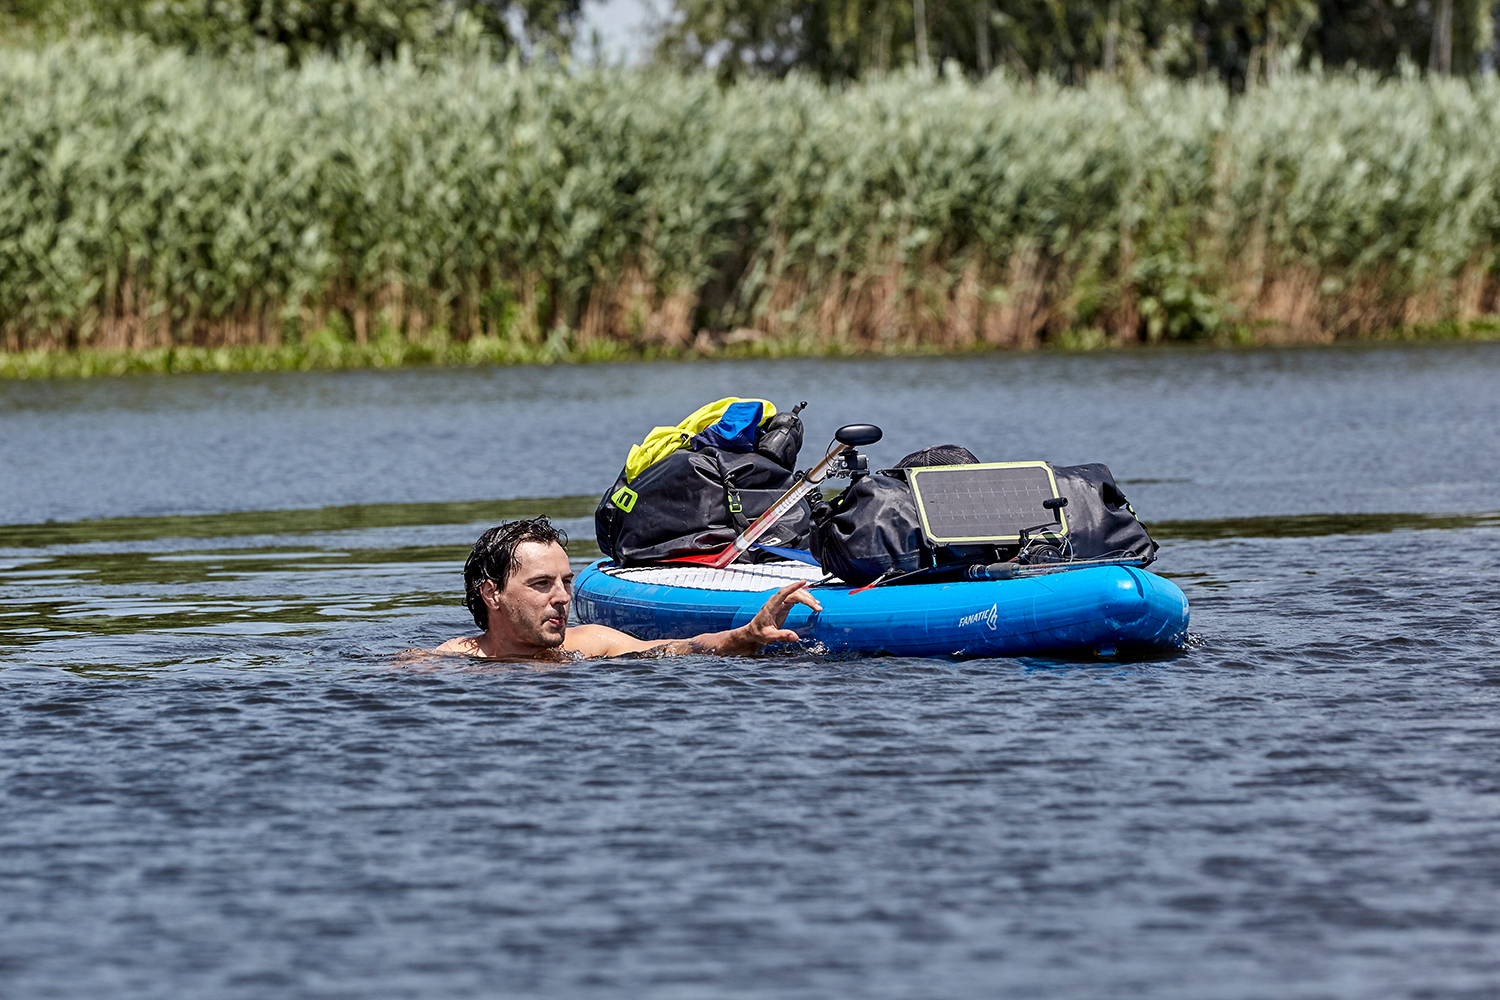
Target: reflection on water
x: 1193, y: 434
x: 280, y: 522
x: 310, y: 572
x: 251, y: 573
x: 1312, y: 525
x: 216, y: 779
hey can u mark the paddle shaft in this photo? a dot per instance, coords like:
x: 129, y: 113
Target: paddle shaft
x: 1009, y: 570
x: 779, y: 509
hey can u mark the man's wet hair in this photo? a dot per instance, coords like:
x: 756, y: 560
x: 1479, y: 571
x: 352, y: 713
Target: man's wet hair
x: 938, y: 454
x: 494, y: 558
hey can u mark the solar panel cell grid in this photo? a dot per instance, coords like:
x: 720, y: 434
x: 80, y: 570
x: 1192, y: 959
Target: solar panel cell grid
x: 982, y: 503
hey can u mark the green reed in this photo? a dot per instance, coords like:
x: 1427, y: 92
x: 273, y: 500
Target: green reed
x: 471, y: 212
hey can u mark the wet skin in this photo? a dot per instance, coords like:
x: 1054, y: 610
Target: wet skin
x: 528, y: 618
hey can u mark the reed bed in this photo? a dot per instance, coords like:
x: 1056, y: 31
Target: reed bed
x: 151, y: 201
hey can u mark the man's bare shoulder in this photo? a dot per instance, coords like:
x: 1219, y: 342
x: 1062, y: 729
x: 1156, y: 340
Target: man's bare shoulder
x: 582, y: 640
x: 601, y: 640
x: 472, y: 646
x: 434, y: 659
x: 464, y: 645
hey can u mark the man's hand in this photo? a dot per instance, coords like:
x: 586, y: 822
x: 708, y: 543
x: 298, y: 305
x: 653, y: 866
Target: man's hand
x: 767, y: 625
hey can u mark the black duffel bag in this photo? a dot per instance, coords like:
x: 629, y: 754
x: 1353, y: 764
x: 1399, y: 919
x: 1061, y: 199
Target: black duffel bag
x: 1101, y: 522
x: 870, y: 530
x: 697, y: 502
x: 873, y: 529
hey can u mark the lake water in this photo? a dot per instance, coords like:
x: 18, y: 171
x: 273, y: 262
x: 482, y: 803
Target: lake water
x: 215, y: 783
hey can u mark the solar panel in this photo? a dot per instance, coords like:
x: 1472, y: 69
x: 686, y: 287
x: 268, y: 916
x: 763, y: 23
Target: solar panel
x: 987, y: 503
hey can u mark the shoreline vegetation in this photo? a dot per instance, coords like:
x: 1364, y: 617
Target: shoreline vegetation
x: 324, y: 351
x: 167, y: 212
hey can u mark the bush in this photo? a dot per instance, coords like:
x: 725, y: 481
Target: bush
x: 148, y: 197
x: 297, y: 29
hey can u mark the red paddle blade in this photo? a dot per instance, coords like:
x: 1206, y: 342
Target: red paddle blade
x: 718, y: 560
x: 705, y: 559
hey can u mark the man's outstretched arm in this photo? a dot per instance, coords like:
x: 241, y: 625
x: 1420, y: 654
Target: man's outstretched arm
x: 766, y: 626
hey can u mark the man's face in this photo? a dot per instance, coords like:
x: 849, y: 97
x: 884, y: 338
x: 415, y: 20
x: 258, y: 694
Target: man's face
x: 531, y: 611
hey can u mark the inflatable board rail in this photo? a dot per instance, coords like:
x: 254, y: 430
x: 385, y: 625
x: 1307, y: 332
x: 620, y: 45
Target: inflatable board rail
x: 1102, y: 610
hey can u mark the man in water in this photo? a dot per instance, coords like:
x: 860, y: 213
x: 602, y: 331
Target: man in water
x: 518, y: 585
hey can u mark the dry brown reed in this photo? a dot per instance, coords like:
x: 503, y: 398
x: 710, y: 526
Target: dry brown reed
x: 155, y: 200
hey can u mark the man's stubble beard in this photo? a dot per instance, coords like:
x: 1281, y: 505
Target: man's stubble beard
x: 544, y: 638
x: 534, y: 633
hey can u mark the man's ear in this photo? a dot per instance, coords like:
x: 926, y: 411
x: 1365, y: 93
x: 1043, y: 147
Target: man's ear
x: 490, y: 594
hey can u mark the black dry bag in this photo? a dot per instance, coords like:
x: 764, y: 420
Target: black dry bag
x: 694, y: 502
x: 874, y: 530
x: 1101, y: 522
x: 870, y: 530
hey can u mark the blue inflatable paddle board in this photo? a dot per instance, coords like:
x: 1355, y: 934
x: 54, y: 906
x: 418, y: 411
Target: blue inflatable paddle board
x: 1099, y: 610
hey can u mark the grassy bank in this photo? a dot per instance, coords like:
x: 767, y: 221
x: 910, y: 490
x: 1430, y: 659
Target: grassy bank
x: 322, y: 353
x: 163, y: 212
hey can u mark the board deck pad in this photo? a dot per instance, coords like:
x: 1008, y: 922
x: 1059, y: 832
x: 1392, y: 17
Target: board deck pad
x: 989, y: 503
x: 749, y: 577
